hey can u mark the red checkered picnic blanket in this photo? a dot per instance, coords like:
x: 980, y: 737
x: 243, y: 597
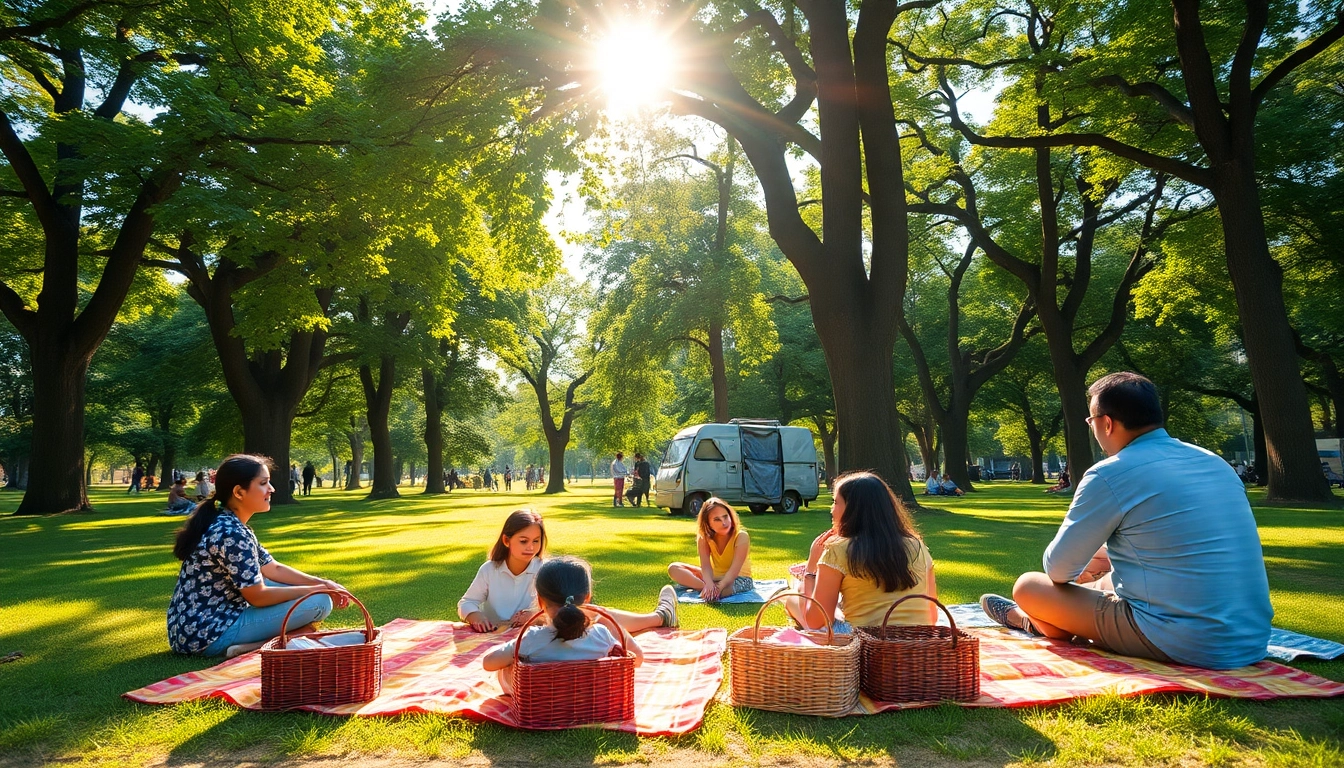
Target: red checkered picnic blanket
x: 1020, y: 671
x: 435, y: 666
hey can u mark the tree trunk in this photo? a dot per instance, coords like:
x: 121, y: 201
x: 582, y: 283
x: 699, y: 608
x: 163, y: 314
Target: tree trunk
x: 827, y: 433
x: 860, y: 360
x: 169, y: 447
x: 1334, y: 384
x: 956, y: 444
x: 433, y: 431
x: 56, y: 465
x: 356, y: 438
x: 555, y: 445
x: 1072, y: 386
x: 335, y: 466
x: 152, y: 468
x: 378, y: 400
x: 1293, y: 465
x: 1261, y: 451
x: 267, y: 428
x: 718, y: 372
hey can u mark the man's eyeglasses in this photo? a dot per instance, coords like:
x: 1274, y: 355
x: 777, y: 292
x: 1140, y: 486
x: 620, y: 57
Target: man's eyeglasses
x: 1091, y: 419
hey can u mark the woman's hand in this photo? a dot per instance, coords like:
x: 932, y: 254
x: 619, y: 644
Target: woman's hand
x: 479, y: 623
x: 818, y: 546
x: 342, y: 597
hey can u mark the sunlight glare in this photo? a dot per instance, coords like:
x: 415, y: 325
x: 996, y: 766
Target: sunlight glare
x: 635, y: 64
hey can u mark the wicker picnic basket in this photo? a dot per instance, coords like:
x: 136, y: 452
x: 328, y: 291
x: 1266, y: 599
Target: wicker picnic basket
x: 920, y: 663
x: 818, y: 679
x: 562, y: 694
x: 346, y: 674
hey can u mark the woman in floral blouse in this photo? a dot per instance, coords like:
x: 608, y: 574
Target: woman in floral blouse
x: 231, y: 594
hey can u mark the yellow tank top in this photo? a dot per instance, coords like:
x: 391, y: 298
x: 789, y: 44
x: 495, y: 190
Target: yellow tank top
x: 864, y: 603
x: 722, y: 561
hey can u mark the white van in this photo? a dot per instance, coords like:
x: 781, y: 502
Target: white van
x: 746, y: 461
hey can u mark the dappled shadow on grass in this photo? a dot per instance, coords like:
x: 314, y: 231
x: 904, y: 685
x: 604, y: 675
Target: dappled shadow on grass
x: 85, y: 595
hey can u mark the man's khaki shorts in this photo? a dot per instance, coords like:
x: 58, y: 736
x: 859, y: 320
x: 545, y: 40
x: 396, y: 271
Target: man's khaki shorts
x: 1116, y: 630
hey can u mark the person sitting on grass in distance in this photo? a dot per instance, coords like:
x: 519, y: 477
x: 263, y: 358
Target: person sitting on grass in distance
x: 564, y: 586
x: 932, y: 487
x: 178, y: 503
x: 1062, y: 483
x: 203, y: 486
x: 1181, y: 576
x: 504, y: 590
x: 725, y: 554
x: 950, y: 488
x: 231, y: 595
x: 869, y: 558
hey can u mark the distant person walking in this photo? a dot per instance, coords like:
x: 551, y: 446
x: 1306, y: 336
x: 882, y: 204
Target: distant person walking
x: 294, y: 478
x: 489, y: 479
x: 508, y: 478
x: 137, y: 476
x: 618, y: 473
x: 309, y: 472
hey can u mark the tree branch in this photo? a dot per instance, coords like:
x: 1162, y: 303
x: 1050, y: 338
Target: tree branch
x: 1297, y: 58
x: 1178, y: 168
x: 1174, y: 106
x: 21, y: 162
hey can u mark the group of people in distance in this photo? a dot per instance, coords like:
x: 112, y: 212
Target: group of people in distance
x: 1158, y: 557
x: 942, y: 485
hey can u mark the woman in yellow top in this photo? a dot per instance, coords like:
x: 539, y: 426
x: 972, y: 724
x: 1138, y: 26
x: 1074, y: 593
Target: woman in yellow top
x: 871, y: 557
x: 725, y: 554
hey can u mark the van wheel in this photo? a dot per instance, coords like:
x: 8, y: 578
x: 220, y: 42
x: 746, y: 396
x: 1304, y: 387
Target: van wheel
x: 791, y: 503
x: 691, y: 507
x: 758, y: 509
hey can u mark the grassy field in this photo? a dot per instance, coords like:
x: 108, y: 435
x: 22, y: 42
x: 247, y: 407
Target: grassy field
x: 83, y: 598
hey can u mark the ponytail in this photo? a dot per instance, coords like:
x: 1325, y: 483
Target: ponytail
x: 189, y: 535
x: 238, y: 470
x: 570, y: 621
x: 566, y: 582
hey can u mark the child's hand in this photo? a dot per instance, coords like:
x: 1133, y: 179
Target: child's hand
x: 520, y: 618
x: 709, y: 592
x: 479, y: 623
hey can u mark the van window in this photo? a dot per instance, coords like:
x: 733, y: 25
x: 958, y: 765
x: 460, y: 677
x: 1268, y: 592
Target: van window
x: 706, y: 450
x: 676, y: 451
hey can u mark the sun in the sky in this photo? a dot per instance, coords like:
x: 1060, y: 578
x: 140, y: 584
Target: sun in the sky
x: 635, y: 63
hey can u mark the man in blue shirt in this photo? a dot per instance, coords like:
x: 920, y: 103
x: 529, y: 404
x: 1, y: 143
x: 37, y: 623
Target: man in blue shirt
x: 1164, y: 541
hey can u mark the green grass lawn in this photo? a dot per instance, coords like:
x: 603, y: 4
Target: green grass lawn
x: 83, y: 597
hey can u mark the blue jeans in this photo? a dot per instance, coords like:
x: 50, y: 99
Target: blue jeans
x: 256, y: 625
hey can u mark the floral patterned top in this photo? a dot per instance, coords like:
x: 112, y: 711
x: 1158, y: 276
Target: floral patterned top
x: 209, y: 598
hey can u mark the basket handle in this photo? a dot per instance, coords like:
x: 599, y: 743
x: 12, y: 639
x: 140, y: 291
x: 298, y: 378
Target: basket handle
x: 830, y: 632
x: 368, y: 620
x: 620, y: 634
x: 951, y: 621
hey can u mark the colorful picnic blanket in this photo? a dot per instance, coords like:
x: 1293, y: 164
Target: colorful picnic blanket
x: 1284, y: 645
x: 435, y: 667
x: 763, y: 590
x: 1018, y: 671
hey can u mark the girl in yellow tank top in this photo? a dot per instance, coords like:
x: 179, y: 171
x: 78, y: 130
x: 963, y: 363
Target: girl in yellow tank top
x: 871, y: 557
x: 725, y: 554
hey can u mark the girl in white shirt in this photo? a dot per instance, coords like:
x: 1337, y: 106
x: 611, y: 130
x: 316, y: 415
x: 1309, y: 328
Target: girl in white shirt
x: 504, y: 590
x: 564, y: 585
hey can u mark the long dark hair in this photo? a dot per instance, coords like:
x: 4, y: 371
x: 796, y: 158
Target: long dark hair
x: 567, y: 582
x: 238, y: 470
x: 878, y: 527
x: 515, y: 522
